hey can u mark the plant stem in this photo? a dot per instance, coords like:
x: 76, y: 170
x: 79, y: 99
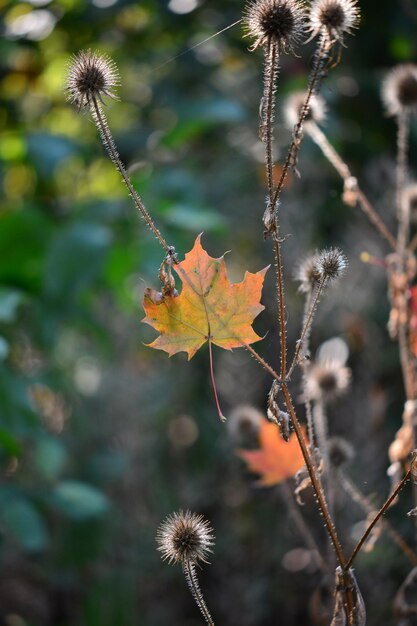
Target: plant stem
x: 402, y: 167
x: 314, y: 480
x: 281, y: 306
x: 267, y: 116
x: 192, y: 581
x: 297, y: 137
x: 308, y: 320
x: 356, y: 495
x: 377, y: 517
x: 344, y: 172
x: 108, y: 141
x: 262, y: 362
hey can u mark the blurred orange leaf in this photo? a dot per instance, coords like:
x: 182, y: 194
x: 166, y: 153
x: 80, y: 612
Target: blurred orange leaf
x: 275, y: 460
x: 209, y: 307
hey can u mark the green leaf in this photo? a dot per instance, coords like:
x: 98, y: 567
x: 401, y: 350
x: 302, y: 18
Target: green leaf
x: 21, y: 520
x: 10, y: 300
x: 4, y: 348
x: 50, y: 457
x: 79, y: 501
x: 75, y: 260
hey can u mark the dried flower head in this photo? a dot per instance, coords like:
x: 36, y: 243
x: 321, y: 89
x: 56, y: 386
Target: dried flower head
x: 333, y: 17
x: 328, y: 377
x: 340, y: 451
x: 90, y: 76
x: 308, y: 273
x: 275, y: 21
x: 332, y: 263
x: 399, y: 90
x: 294, y: 105
x: 243, y: 424
x: 185, y: 537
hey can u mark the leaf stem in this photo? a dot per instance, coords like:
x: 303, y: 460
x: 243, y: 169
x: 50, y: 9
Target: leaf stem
x: 213, y: 383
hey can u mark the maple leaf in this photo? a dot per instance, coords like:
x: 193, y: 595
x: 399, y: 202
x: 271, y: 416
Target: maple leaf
x: 209, y: 307
x: 276, y: 459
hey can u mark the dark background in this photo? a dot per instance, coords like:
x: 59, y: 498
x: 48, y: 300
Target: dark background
x: 101, y: 437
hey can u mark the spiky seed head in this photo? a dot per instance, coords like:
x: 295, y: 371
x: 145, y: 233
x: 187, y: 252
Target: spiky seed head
x: 294, y: 105
x: 409, y: 198
x: 185, y: 537
x: 340, y: 451
x: 399, y: 89
x: 332, y: 264
x: 308, y: 273
x: 333, y: 18
x: 90, y: 76
x: 275, y: 21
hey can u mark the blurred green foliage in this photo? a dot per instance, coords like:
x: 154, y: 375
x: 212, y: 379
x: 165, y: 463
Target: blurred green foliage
x: 99, y: 437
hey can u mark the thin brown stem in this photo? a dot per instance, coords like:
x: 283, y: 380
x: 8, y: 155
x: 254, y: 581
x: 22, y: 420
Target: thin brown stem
x: 308, y: 320
x: 108, y: 141
x: 267, y: 115
x: 297, y: 137
x: 376, y: 519
x: 192, y: 581
x: 402, y: 175
x: 262, y: 362
x: 281, y: 306
x: 357, y: 496
x: 344, y: 172
x: 314, y: 480
x: 413, y: 244
x: 405, y: 359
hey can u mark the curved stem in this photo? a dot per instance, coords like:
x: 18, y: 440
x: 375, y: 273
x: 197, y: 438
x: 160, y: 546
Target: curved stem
x: 377, y: 518
x: 345, y: 174
x: 108, y: 141
x: 192, y: 581
x: 357, y: 496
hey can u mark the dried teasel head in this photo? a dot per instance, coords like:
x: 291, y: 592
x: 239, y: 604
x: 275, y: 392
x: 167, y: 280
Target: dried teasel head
x: 90, y: 77
x: 280, y: 22
x: 327, y: 378
x: 399, y: 90
x: 340, y: 452
x: 308, y: 273
x: 294, y: 105
x: 185, y: 538
x: 334, y: 18
x: 332, y: 264
x: 243, y: 424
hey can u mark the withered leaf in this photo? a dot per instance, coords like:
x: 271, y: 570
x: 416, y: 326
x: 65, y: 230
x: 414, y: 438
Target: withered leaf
x: 275, y: 460
x: 343, y: 616
x: 209, y: 307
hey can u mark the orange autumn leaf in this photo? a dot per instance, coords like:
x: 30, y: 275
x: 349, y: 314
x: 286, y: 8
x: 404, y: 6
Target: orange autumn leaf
x: 209, y: 307
x: 275, y: 460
